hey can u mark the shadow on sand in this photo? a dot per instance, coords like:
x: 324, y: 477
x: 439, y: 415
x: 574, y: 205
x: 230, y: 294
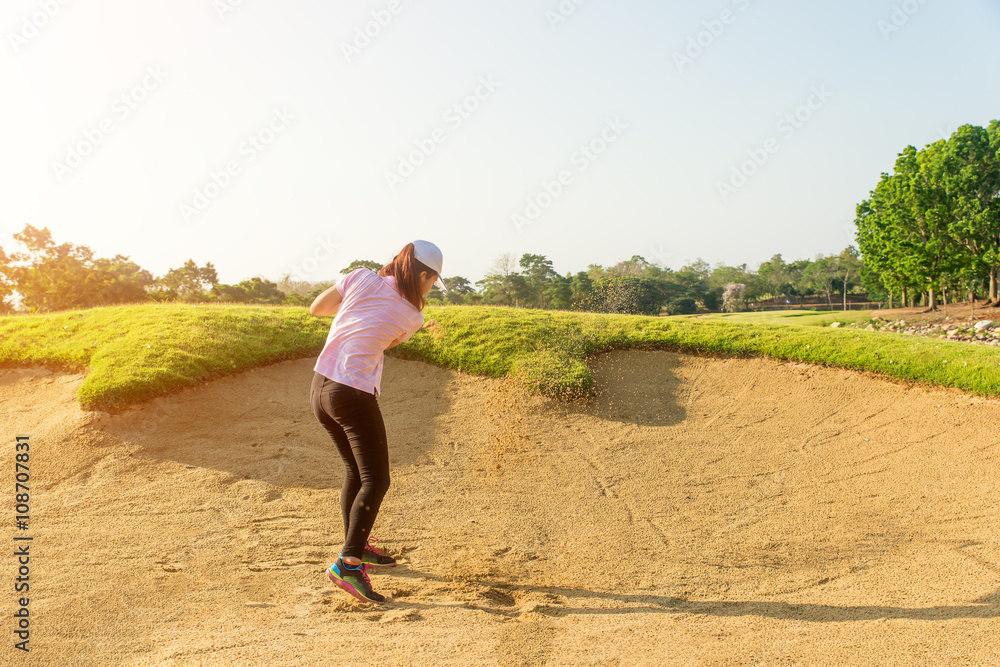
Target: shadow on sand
x: 260, y: 425
x: 985, y: 607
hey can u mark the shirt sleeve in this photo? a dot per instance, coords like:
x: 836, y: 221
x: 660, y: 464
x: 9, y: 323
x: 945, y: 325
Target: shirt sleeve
x: 409, y: 334
x: 345, y: 282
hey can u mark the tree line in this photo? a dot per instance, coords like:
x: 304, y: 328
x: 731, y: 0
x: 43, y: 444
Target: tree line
x: 932, y: 226
x: 44, y: 277
x: 638, y: 286
x: 929, y: 229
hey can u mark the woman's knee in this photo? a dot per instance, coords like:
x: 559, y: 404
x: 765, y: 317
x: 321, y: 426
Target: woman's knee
x: 352, y: 477
x: 375, y: 485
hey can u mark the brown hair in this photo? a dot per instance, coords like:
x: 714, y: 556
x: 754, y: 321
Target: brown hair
x: 406, y: 268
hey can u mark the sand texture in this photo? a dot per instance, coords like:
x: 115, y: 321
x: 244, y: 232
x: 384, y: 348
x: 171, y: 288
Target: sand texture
x: 696, y: 511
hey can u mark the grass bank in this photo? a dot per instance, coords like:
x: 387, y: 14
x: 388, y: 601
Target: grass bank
x: 133, y: 353
x: 802, y: 317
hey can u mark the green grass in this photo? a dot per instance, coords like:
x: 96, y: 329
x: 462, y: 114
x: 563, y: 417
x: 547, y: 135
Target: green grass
x: 803, y: 317
x: 133, y: 353
x: 549, y: 349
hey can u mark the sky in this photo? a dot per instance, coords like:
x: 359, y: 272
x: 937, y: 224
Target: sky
x: 293, y: 138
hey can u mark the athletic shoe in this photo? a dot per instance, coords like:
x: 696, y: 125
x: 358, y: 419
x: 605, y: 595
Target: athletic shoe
x: 375, y: 558
x: 355, y: 582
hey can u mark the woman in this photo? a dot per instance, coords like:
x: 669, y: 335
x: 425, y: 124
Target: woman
x: 374, y: 312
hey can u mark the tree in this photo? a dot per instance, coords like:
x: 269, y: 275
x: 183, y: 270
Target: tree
x: 298, y: 287
x: 120, y: 280
x: 682, y: 306
x: 455, y: 298
x: 970, y: 177
x: 187, y: 283
x: 538, y: 275
x: 773, y: 275
x: 559, y: 293
x: 693, y: 280
x: 794, y: 271
x: 934, y: 223
x: 254, y: 290
x: 435, y: 296
x: 994, y: 275
x: 637, y: 267
x: 698, y: 267
x: 502, y: 285
x: 753, y: 287
x: 6, y: 286
x: 581, y: 288
x: 723, y: 275
x: 878, y: 243
x: 362, y: 264
x: 459, y: 290
x: 595, y: 271
x: 711, y: 298
x: 56, y: 277
x: 846, y: 263
x: 459, y: 285
x: 820, y: 276
x: 921, y: 217
x: 733, y: 299
x: 48, y: 277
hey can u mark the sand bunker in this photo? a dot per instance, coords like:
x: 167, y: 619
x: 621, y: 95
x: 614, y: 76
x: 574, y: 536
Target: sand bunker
x: 697, y: 511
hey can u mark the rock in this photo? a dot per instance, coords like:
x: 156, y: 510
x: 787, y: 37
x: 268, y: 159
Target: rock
x: 983, y: 324
x: 835, y: 325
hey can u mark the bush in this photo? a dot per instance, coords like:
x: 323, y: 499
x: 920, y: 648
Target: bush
x: 711, y: 299
x: 682, y: 306
x: 552, y: 373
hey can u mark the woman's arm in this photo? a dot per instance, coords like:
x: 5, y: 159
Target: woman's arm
x: 326, y: 303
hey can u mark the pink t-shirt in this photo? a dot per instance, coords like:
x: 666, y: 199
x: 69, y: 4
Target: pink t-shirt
x: 371, y: 316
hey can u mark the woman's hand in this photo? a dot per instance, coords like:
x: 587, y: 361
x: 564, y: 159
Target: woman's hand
x: 326, y: 303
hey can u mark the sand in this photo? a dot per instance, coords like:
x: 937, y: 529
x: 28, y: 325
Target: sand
x: 697, y: 511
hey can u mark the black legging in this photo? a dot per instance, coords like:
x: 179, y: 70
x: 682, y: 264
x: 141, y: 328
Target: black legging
x: 353, y: 419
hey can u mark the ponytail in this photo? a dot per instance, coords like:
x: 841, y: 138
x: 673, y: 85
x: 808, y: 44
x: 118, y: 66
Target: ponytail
x: 406, y: 269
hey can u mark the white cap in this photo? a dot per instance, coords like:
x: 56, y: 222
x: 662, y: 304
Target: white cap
x: 430, y: 255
